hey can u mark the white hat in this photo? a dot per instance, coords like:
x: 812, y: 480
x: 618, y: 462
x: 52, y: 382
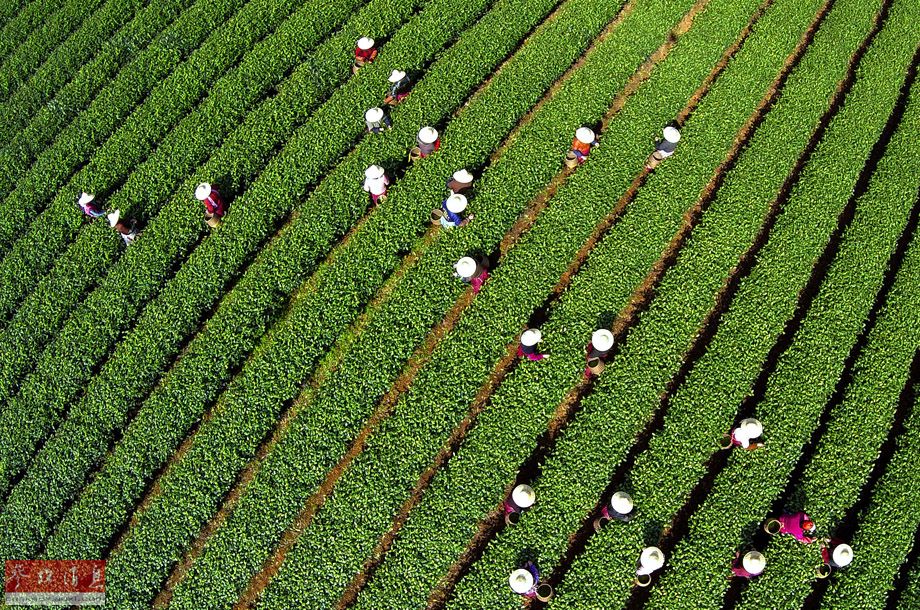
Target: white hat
x: 373, y: 114
x: 466, y: 267
x: 584, y: 135
x: 202, y: 192
x: 651, y: 558
x: 602, y: 339
x: 671, y: 134
x: 365, y: 43
x: 754, y: 562
x: 461, y: 175
x: 521, y: 581
x: 456, y: 204
x: 114, y: 217
x: 373, y: 172
x: 531, y: 337
x: 428, y: 135
x: 523, y: 495
x: 86, y: 198
x: 621, y: 502
x: 751, y: 428
x: 842, y: 555
x: 396, y: 76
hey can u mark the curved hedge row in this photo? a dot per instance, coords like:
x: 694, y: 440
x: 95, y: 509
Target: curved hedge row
x: 505, y: 433
x: 910, y: 595
x: 32, y: 52
x: 181, y: 152
x: 838, y: 470
x: 171, y: 99
x: 807, y: 372
x: 136, y: 136
x: 25, y: 136
x: 590, y: 448
x: 157, y: 336
x: 23, y: 23
x: 340, y: 288
x: 887, y: 529
x: 86, y: 44
x: 29, y: 185
x: 656, y: 347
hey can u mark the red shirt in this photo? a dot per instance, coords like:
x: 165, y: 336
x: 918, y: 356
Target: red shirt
x: 581, y: 146
x: 365, y: 55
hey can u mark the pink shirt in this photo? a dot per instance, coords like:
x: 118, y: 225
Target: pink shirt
x: 792, y: 525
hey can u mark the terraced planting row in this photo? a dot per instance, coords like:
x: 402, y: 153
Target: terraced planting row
x: 542, y: 536
x: 886, y: 529
x: 303, y: 407
x: 53, y: 31
x: 28, y: 127
x: 181, y: 152
x: 716, y: 528
x: 309, y: 315
x: 825, y: 490
x: 667, y: 332
x: 57, y: 68
x: 131, y: 143
x: 135, y: 351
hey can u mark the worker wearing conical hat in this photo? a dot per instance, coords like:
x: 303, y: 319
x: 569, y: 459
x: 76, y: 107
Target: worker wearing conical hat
x: 524, y: 580
x: 620, y: 507
x: 427, y: 141
x: 451, y: 213
x: 585, y: 140
x: 89, y: 206
x: 377, y: 120
x: 522, y: 497
x: 471, y: 272
x: 375, y: 183
x: 365, y: 52
x: 836, y: 553
x: 748, y: 435
x: 528, y: 346
x: 460, y: 183
x: 126, y: 228
x: 650, y: 560
x: 213, y: 203
x: 400, y: 84
x: 799, y: 526
x: 749, y: 566
x: 664, y: 147
x: 597, y: 351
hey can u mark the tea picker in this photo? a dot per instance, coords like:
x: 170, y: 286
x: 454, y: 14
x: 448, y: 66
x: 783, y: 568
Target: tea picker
x: 377, y: 120
x: 528, y: 346
x: 126, y: 228
x: 749, y: 566
x: 426, y: 142
x: 471, y: 272
x: 460, y: 183
x: 620, y: 508
x: 375, y: 183
x: 650, y: 561
x: 798, y: 525
x: 525, y: 582
x: 584, y: 141
x: 836, y: 554
x: 449, y: 214
x: 664, y: 147
x: 400, y: 84
x: 364, y: 53
x: 597, y: 351
x: 748, y: 435
x: 89, y: 206
x: 213, y: 204
x: 522, y: 496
